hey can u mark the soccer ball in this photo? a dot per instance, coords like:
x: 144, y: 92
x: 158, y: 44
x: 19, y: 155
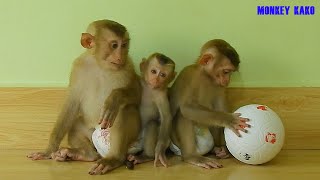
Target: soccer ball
x: 264, y: 138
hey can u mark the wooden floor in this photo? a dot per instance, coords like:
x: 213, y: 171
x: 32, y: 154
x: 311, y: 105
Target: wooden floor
x: 289, y: 164
x: 27, y: 116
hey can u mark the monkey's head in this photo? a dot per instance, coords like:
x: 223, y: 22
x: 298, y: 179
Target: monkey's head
x: 108, y: 41
x: 157, y: 71
x: 219, y: 60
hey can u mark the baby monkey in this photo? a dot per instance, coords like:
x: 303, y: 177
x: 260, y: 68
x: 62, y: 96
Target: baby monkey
x: 156, y: 73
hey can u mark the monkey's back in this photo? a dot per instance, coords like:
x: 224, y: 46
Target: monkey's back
x: 178, y: 91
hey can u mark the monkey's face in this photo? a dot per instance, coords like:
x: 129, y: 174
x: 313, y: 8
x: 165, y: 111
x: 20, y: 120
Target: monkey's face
x: 112, y: 51
x: 222, y: 70
x: 219, y: 69
x: 157, y: 75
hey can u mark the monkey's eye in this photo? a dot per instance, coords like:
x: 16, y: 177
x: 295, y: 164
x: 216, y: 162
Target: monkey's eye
x: 153, y: 71
x: 226, y: 72
x: 124, y: 45
x: 163, y: 75
x: 114, y: 45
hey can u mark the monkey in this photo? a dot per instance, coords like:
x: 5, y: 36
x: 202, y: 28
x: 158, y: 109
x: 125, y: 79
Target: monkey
x: 103, y: 89
x: 157, y: 71
x: 198, y: 100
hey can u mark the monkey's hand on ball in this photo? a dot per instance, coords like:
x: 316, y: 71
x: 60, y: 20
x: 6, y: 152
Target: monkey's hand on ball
x: 160, y: 155
x: 239, y: 124
x: 39, y: 155
x: 111, y: 108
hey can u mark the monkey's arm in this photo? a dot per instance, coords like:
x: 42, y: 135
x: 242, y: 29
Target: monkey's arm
x: 130, y: 95
x: 69, y: 111
x: 166, y: 118
x: 63, y: 124
x: 66, y: 118
x: 218, y: 131
x: 164, y: 129
x: 204, y: 116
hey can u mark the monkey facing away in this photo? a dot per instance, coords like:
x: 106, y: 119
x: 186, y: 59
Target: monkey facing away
x: 197, y: 101
x: 104, y: 89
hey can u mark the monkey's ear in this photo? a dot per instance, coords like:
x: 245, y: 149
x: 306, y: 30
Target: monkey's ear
x: 87, y: 40
x: 204, y: 59
x: 143, y: 64
x: 173, y: 76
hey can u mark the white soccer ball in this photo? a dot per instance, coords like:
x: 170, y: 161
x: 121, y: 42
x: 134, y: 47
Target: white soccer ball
x: 101, y: 141
x: 264, y: 138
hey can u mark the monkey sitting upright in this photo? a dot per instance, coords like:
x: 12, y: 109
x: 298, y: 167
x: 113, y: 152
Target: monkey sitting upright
x: 105, y: 89
x: 156, y: 73
x: 197, y: 101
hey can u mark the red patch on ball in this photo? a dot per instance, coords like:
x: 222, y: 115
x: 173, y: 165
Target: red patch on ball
x: 263, y: 108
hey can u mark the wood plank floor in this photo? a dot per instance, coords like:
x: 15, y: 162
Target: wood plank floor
x: 289, y: 164
x: 27, y: 116
x: 36, y: 109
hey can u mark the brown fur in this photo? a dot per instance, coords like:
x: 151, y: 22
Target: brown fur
x: 99, y: 76
x: 154, y: 109
x: 197, y: 98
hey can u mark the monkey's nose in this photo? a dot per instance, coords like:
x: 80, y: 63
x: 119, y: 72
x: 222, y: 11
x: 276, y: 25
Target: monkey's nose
x: 119, y: 62
x: 225, y: 83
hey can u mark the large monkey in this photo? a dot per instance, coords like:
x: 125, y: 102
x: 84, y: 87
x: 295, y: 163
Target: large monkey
x: 104, y: 89
x: 197, y: 100
x: 156, y: 73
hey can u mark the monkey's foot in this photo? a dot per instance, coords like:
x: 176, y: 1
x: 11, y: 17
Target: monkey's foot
x: 138, y: 159
x: 39, y: 156
x: 204, y: 162
x: 103, y: 166
x: 221, y: 152
x: 69, y: 154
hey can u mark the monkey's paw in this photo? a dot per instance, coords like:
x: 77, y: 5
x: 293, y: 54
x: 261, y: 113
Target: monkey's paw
x: 138, y: 159
x: 39, y: 156
x: 69, y: 154
x: 160, y: 155
x: 221, y: 152
x: 103, y: 166
x: 203, y: 162
x: 111, y: 108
